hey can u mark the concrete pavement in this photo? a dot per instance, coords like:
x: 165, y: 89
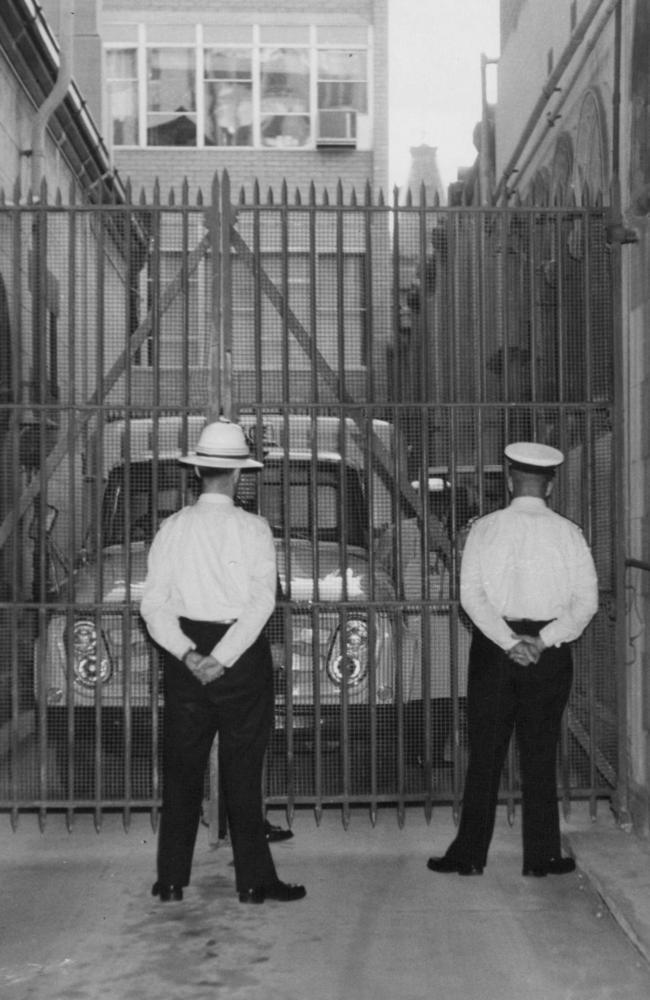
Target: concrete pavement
x: 78, y: 922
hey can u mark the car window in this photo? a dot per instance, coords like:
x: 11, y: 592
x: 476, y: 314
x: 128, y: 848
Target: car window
x: 150, y: 500
x: 306, y: 508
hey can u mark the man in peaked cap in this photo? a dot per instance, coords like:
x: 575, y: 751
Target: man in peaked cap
x: 528, y: 583
x: 209, y: 591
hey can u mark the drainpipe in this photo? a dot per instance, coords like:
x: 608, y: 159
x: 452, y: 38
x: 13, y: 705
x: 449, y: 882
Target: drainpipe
x: 56, y: 95
x: 552, y: 84
x: 39, y: 287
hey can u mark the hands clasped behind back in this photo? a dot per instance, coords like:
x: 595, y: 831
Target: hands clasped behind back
x: 204, y: 668
x: 527, y: 650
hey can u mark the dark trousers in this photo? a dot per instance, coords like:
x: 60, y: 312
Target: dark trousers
x: 502, y: 696
x: 239, y: 706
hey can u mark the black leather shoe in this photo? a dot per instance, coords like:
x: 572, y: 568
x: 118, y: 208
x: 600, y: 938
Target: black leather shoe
x: 556, y: 866
x: 275, y: 834
x: 285, y: 892
x: 167, y: 892
x: 281, y: 891
x: 252, y: 896
x: 446, y: 866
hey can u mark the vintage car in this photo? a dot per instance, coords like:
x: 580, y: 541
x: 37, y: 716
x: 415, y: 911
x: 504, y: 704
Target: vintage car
x: 336, y: 633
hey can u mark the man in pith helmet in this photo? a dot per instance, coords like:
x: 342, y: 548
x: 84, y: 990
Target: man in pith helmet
x: 209, y: 591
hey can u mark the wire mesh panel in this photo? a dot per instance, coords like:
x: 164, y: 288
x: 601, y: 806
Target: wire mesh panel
x: 379, y: 358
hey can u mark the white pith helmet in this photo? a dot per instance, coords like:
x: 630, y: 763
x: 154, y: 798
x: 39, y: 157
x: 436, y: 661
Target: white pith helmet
x: 221, y: 445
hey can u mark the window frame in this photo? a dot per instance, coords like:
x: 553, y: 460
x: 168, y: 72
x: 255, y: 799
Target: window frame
x: 313, y: 47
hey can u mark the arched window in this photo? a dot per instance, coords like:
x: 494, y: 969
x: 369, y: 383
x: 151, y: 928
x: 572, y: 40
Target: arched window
x: 562, y: 170
x: 590, y: 165
x: 540, y: 189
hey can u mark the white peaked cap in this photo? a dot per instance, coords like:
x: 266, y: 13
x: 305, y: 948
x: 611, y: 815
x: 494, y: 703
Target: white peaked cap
x: 533, y: 455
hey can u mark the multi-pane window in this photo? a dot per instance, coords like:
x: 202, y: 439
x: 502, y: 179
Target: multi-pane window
x: 284, y: 97
x: 171, y: 97
x: 228, y: 97
x: 291, y: 87
x: 342, y: 92
x: 331, y: 308
x: 179, y: 335
x: 122, y: 84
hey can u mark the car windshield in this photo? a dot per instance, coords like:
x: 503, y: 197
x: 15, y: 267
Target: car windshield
x: 134, y: 505
x: 328, y: 507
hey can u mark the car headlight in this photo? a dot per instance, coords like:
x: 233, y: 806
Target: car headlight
x: 91, y: 660
x: 347, y: 663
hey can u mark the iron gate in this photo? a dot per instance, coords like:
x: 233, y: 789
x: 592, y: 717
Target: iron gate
x: 380, y: 356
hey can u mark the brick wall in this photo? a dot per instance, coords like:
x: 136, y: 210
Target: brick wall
x: 171, y: 166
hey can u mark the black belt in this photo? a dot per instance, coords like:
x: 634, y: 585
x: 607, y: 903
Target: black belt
x: 195, y: 621
x: 527, y: 626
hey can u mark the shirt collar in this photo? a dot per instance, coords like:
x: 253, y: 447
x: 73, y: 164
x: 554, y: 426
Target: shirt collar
x: 528, y: 503
x: 215, y: 498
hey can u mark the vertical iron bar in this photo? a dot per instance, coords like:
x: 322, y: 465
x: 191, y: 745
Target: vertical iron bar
x: 536, y: 326
x: 313, y: 292
x: 257, y: 302
x: 425, y: 644
x: 395, y: 377
x: 74, y: 261
x: 368, y: 354
x: 285, y: 285
x: 39, y: 319
x: 224, y: 348
x: 216, y: 224
x: 560, y: 310
x: 15, y: 421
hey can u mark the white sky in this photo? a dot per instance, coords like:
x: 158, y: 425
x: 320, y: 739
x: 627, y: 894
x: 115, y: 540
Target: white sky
x: 435, y: 79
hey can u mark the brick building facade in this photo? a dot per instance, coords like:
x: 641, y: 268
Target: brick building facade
x: 292, y: 91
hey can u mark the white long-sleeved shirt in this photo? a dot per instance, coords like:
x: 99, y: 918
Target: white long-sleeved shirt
x: 527, y: 561
x: 211, y: 561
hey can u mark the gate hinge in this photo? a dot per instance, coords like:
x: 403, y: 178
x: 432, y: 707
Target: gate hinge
x: 616, y: 232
